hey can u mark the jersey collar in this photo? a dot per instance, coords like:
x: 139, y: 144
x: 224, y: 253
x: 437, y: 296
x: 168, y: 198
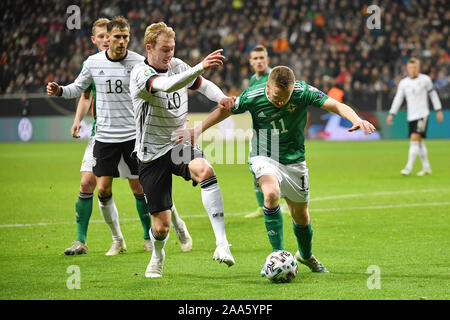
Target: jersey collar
x: 117, y: 60
x: 156, y: 69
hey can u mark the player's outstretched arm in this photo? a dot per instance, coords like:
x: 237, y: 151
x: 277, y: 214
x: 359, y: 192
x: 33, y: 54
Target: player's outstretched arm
x: 192, y: 134
x: 348, y: 113
x: 180, y: 80
x: 82, y: 109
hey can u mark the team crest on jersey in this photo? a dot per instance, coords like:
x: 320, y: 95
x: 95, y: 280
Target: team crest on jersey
x: 128, y: 69
x: 291, y: 107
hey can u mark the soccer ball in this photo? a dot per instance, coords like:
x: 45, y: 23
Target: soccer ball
x: 280, y: 266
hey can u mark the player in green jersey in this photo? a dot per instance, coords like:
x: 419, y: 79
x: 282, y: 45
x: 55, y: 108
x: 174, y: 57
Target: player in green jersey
x: 277, y: 155
x: 259, y: 61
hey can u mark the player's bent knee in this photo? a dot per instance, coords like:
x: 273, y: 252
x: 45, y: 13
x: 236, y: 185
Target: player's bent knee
x: 201, y: 169
x: 271, y: 197
x: 136, y: 186
x: 88, y: 182
x: 104, y: 192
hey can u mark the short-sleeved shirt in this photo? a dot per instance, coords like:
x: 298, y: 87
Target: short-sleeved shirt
x: 279, y: 133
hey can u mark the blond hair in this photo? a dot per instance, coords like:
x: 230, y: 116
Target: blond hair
x: 414, y: 60
x: 101, y: 22
x: 282, y: 77
x: 154, y: 30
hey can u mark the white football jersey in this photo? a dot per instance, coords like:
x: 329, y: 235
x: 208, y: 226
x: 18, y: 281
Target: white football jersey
x: 416, y: 92
x: 159, y: 113
x: 115, y: 115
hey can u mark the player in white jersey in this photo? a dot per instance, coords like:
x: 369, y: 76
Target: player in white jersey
x: 110, y: 70
x: 416, y: 88
x: 159, y: 89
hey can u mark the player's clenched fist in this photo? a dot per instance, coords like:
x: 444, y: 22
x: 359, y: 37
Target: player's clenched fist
x: 53, y: 89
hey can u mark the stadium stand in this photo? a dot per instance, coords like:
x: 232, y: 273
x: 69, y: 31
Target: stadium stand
x: 326, y: 42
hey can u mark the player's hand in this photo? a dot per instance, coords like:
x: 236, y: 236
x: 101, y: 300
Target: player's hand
x: 227, y: 103
x: 214, y: 59
x: 53, y: 89
x: 389, y: 119
x: 364, y: 125
x: 439, y: 116
x: 75, y: 129
x: 186, y: 134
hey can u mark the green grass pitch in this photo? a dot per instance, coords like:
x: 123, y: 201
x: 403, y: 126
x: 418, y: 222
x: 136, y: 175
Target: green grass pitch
x: 363, y: 212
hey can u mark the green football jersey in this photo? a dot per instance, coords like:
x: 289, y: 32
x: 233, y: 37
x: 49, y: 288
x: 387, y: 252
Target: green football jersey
x: 279, y: 133
x: 254, y: 80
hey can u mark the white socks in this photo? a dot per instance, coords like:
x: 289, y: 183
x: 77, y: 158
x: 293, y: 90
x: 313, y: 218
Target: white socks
x: 110, y: 214
x: 423, y: 153
x: 213, y: 203
x: 176, y: 220
x: 158, y: 244
x: 417, y: 148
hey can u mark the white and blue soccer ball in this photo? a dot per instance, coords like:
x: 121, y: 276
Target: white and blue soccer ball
x: 280, y: 267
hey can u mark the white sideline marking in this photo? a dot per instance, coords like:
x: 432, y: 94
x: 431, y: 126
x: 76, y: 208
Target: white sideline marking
x: 343, y: 196
x: 405, y: 205
x: 383, y: 193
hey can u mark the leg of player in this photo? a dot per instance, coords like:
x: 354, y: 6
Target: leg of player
x: 83, y: 211
x: 423, y: 153
x: 181, y: 230
x: 202, y: 172
x: 304, y: 234
x: 273, y: 218
x: 110, y: 214
x: 159, y: 233
x: 142, y: 210
x: 414, y: 150
x: 259, y: 199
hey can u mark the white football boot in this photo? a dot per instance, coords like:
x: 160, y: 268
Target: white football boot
x: 118, y: 246
x: 223, y: 254
x: 183, y: 236
x: 424, y: 172
x: 155, y: 266
x: 405, y: 172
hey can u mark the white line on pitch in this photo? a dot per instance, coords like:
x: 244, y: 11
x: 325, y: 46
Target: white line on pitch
x: 404, y: 205
x: 383, y: 193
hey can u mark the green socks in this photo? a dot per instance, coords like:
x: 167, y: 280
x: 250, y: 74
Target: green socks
x: 258, y: 193
x: 273, y: 219
x: 144, y: 215
x: 83, y: 211
x: 304, y: 235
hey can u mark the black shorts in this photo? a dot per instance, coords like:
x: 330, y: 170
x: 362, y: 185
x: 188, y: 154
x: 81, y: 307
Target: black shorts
x: 107, y: 157
x: 419, y: 126
x: 156, y: 176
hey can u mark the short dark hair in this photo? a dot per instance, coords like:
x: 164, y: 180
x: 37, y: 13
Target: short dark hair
x: 283, y: 77
x: 118, y: 22
x: 259, y: 48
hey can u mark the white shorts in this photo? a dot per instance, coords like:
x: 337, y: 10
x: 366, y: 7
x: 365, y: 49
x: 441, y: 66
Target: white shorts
x: 293, y: 178
x: 88, y: 162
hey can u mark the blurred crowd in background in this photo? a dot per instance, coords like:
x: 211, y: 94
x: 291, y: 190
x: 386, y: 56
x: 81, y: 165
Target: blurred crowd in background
x: 325, y: 42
